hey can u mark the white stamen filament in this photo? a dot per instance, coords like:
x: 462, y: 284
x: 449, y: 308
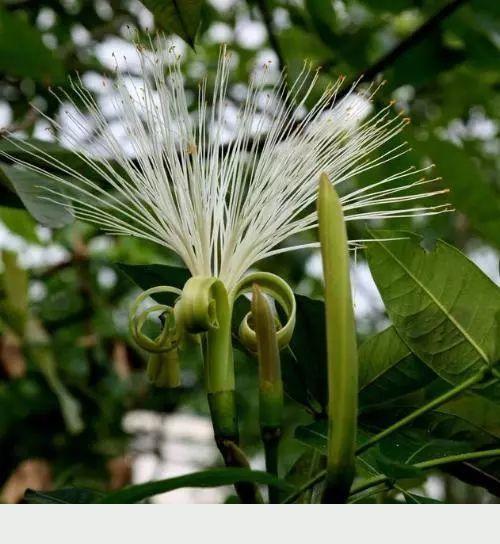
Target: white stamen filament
x: 223, y: 206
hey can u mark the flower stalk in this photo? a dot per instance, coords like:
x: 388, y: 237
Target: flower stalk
x: 206, y: 307
x: 270, y: 383
x: 342, y: 358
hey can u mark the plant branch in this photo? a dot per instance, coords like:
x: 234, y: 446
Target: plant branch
x: 408, y: 43
x: 380, y: 65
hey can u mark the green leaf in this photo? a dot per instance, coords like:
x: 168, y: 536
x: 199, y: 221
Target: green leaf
x: 472, y: 414
x: 395, y: 455
x: 304, y: 369
x: 14, y: 306
x: 153, y: 275
x: 388, y: 369
x: 470, y: 191
x: 323, y: 19
x: 30, y: 188
x: 23, y: 53
x: 313, y: 435
x: 51, y: 157
x: 396, y: 470
x: 207, y: 478
x: 72, y: 495
x: 179, y: 16
x: 442, y: 306
x: 19, y: 222
x: 42, y: 354
x: 412, y: 498
x: 412, y: 446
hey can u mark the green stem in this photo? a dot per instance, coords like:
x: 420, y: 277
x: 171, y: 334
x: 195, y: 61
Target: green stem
x: 205, y: 307
x: 367, y: 495
x: 270, y: 384
x: 271, y: 440
x: 320, y: 476
x: 438, y: 401
x: 233, y: 456
x: 431, y: 463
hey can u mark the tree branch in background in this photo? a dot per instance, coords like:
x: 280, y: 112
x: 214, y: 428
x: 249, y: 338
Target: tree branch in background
x: 273, y: 39
x: 408, y: 43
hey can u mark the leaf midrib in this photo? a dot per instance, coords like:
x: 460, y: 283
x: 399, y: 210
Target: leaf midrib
x: 438, y: 304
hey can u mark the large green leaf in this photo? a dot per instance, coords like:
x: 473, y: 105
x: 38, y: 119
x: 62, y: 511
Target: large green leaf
x: 470, y: 419
x: 179, y: 16
x: 207, y: 478
x: 31, y: 187
x: 442, y: 306
x: 305, y: 375
x: 135, y: 493
x: 471, y: 413
x: 23, y: 53
x: 388, y: 369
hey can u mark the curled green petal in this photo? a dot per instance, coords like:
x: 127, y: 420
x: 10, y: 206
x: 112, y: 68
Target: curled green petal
x: 167, y: 338
x: 281, y: 292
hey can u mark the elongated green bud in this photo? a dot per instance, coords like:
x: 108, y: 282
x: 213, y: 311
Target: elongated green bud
x: 341, y: 346
x: 270, y: 384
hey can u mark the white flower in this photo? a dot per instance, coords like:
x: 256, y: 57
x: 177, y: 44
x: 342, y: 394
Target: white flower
x: 222, y: 186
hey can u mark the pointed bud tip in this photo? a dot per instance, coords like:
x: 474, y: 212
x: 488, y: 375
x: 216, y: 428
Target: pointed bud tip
x: 324, y: 182
x: 257, y: 299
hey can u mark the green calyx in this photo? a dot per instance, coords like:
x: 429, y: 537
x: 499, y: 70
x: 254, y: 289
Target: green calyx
x: 205, y: 307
